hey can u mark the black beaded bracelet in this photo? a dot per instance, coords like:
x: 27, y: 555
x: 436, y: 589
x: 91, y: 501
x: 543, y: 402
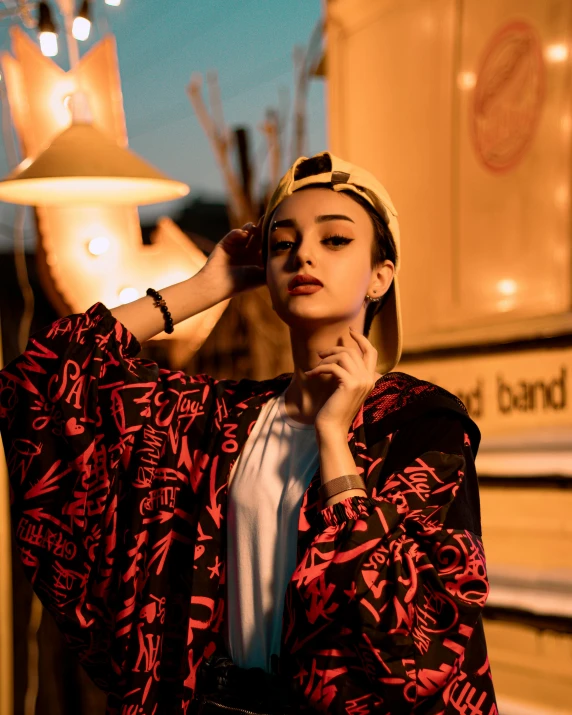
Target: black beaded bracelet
x: 159, y: 302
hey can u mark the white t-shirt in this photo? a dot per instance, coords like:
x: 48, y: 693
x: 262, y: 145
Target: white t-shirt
x: 266, y: 488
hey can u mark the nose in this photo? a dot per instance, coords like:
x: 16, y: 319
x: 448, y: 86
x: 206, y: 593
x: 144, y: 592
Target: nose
x: 304, y: 254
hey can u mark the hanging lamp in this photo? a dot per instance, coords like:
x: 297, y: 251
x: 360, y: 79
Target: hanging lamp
x: 82, y: 23
x: 47, y: 30
x: 85, y: 167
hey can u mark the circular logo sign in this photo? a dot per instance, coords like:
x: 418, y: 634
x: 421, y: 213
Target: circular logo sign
x: 508, y: 96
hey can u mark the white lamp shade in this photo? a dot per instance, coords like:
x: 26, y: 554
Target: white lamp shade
x: 82, y: 166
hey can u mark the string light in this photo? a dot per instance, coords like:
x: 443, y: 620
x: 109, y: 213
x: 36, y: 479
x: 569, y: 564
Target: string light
x: 557, y: 52
x: 466, y: 80
x: 47, y: 30
x: 82, y: 23
x: 507, y: 287
x: 128, y: 295
x: 98, y: 245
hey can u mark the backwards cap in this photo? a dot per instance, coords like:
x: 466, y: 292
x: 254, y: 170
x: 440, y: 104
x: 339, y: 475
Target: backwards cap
x: 339, y: 175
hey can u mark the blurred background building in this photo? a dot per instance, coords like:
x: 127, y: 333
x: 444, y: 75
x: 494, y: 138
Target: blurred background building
x: 463, y: 109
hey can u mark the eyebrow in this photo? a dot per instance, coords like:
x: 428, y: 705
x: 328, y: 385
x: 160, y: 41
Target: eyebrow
x: 291, y: 223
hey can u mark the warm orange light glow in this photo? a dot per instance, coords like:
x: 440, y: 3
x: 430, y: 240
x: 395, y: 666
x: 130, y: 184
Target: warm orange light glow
x: 557, y: 52
x: 98, y: 245
x: 507, y: 287
x: 83, y: 167
x: 466, y: 80
x: 73, y: 236
x: 25, y: 163
x: 49, y: 44
x: 88, y: 191
x: 128, y: 295
x: 172, y: 277
x: 59, y: 101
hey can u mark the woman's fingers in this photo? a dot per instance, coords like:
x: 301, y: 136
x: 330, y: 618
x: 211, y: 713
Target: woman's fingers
x: 237, y: 234
x: 369, y: 352
x: 330, y: 369
x: 337, y: 349
x: 363, y: 356
x: 255, y: 234
x: 344, y: 360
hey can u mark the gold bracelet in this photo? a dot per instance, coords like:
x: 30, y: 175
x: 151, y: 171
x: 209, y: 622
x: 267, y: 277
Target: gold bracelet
x: 340, y: 484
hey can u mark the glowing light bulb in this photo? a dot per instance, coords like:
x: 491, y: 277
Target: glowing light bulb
x: 49, y: 44
x: 466, y: 80
x: 507, y: 287
x: 115, y: 3
x: 128, y: 295
x: 557, y: 52
x: 98, y: 245
x: 81, y: 28
x: 47, y: 30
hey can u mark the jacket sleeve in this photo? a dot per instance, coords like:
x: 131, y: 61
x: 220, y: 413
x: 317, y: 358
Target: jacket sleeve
x: 394, y: 583
x: 84, y: 424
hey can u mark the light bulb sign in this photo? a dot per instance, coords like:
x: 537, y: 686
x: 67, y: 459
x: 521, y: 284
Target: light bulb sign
x: 95, y: 253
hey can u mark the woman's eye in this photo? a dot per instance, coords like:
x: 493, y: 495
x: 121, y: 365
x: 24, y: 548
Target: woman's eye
x: 278, y: 245
x: 336, y: 241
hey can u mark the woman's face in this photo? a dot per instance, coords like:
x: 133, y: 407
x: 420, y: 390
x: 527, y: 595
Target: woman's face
x: 326, y: 234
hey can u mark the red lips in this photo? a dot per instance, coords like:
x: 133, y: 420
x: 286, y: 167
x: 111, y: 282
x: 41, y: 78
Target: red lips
x: 303, y: 279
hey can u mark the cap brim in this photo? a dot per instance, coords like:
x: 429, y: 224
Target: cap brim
x: 386, y: 333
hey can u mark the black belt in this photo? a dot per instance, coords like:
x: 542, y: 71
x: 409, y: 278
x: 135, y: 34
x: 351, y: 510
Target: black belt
x: 225, y: 688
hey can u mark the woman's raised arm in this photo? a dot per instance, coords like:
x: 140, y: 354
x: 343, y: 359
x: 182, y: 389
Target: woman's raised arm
x: 233, y: 266
x: 98, y: 445
x: 144, y: 320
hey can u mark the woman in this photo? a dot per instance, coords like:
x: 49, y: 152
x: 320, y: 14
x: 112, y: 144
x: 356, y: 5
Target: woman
x: 307, y: 543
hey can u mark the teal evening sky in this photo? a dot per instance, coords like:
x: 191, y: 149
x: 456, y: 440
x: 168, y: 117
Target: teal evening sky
x: 162, y: 42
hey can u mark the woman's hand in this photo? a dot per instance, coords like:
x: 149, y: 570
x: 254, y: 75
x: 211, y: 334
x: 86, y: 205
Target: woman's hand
x: 236, y: 260
x: 354, y: 372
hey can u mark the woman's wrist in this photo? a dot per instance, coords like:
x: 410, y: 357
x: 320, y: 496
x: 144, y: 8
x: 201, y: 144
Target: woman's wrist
x: 183, y: 300
x: 215, y: 282
x: 336, y: 459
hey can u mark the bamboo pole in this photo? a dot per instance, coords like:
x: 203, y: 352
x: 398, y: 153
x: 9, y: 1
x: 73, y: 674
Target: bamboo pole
x: 219, y: 137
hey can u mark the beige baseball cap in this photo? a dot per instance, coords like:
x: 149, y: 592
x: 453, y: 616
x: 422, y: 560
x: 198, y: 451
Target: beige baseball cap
x: 325, y: 168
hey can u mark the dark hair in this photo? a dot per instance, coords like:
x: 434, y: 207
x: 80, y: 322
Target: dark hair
x: 382, y: 249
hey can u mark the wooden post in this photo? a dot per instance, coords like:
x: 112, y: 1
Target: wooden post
x: 241, y: 140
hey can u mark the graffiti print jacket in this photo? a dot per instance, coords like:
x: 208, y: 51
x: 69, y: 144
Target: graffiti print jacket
x: 118, y: 473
